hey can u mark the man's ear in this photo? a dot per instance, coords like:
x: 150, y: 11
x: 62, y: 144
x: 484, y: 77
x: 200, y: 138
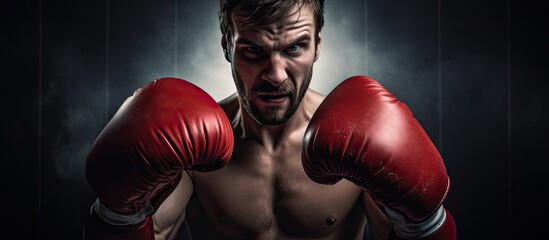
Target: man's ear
x: 318, y: 45
x: 225, y: 48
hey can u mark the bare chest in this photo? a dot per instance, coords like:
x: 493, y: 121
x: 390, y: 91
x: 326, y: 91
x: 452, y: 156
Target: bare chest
x: 268, y: 196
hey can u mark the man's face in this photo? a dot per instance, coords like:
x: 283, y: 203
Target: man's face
x: 272, y: 65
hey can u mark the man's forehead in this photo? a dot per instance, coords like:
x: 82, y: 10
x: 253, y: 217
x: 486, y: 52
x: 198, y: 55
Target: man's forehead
x: 300, y: 17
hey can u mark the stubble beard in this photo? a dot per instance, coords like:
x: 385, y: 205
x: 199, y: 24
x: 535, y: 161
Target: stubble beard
x: 273, y: 115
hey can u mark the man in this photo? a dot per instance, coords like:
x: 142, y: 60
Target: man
x: 275, y: 163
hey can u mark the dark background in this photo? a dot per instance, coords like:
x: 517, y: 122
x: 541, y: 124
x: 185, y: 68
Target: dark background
x: 475, y: 74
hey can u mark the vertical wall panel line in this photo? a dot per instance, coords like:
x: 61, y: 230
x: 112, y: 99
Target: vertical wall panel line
x: 366, y: 37
x: 107, y: 62
x: 39, y: 181
x: 509, y: 135
x: 439, y: 16
x: 175, y: 38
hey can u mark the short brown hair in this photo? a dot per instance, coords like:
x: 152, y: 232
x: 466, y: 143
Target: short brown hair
x: 264, y: 12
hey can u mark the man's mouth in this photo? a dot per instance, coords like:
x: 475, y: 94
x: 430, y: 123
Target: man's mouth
x: 272, y: 97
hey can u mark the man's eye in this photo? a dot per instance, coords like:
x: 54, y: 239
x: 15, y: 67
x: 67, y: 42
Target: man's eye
x: 253, y: 49
x: 296, y: 48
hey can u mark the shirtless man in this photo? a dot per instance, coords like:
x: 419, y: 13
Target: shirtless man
x: 264, y: 163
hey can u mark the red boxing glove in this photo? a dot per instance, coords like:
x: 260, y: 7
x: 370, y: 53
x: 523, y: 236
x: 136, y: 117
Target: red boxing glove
x: 167, y: 126
x: 361, y: 132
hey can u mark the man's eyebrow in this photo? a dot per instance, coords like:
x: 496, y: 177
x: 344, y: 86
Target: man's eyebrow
x: 306, y: 37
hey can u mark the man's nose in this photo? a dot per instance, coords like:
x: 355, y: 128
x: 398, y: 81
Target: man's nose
x: 275, y: 70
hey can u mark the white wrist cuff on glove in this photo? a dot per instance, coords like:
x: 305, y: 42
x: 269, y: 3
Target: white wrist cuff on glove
x: 408, y: 230
x: 118, y: 219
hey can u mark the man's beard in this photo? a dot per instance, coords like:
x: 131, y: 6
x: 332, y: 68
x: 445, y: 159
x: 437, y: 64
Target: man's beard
x: 274, y: 115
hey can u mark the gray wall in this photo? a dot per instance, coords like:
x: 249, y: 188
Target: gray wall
x: 473, y: 72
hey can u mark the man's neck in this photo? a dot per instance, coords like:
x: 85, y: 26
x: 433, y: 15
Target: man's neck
x: 275, y: 135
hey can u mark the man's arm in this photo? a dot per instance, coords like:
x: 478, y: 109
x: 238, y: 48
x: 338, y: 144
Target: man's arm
x: 379, y: 223
x: 171, y: 214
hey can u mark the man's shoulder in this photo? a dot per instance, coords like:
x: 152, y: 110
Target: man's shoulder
x: 316, y: 97
x: 313, y: 99
x: 230, y: 105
